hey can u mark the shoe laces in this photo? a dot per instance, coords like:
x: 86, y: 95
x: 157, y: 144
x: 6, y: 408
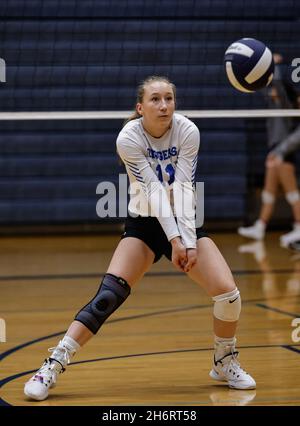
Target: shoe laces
x: 48, y: 372
x: 232, y: 366
x: 61, y: 354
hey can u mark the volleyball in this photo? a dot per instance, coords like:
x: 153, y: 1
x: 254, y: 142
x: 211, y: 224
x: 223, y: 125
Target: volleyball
x: 249, y: 65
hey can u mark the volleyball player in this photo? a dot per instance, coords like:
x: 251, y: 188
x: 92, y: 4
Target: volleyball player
x: 275, y: 159
x: 283, y: 172
x: 159, y: 149
x: 286, y: 147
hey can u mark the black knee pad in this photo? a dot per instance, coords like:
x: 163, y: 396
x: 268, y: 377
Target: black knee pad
x: 112, y: 293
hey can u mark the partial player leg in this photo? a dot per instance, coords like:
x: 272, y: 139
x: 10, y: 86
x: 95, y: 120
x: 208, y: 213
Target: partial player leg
x: 288, y: 180
x: 212, y: 273
x: 257, y: 231
x: 131, y: 259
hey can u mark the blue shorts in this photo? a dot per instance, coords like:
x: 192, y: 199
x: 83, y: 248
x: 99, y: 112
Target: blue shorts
x: 149, y: 230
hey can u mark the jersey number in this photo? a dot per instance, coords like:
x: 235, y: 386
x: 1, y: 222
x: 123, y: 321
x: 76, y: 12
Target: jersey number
x: 169, y: 169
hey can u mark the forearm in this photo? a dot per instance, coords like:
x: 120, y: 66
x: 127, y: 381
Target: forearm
x: 288, y: 145
x: 184, y: 206
x: 160, y: 208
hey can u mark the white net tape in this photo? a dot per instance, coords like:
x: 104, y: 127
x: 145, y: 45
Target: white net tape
x: 112, y: 115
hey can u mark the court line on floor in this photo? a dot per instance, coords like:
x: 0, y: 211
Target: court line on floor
x: 149, y: 274
x: 292, y: 348
x: 281, y: 297
x: 24, y: 373
x: 19, y: 347
x: 132, y: 317
x: 279, y: 311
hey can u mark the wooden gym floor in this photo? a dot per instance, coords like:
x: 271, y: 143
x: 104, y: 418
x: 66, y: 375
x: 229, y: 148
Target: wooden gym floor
x: 157, y: 349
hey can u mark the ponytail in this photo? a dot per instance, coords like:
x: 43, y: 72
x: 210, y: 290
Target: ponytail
x: 133, y: 116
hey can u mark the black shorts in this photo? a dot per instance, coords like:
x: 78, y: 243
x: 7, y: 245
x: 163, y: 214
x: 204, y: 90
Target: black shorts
x: 290, y: 158
x: 149, y: 230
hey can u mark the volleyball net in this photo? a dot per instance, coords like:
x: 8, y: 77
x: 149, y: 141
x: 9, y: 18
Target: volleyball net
x: 116, y: 115
x: 61, y: 168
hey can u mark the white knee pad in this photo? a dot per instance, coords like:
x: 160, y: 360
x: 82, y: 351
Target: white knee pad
x: 267, y: 197
x: 292, y: 197
x: 227, y: 306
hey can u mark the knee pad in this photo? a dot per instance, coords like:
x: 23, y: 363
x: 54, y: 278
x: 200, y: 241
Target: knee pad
x: 292, y: 197
x: 112, y: 293
x: 267, y: 197
x: 228, y: 306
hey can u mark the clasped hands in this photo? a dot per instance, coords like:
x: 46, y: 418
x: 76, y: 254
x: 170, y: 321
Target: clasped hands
x: 183, y: 258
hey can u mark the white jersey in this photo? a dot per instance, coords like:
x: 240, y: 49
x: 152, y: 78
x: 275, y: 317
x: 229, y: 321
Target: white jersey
x: 164, y: 170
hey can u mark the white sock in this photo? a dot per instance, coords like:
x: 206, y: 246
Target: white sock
x: 224, y: 346
x: 71, y: 344
x: 61, y: 355
x: 260, y: 224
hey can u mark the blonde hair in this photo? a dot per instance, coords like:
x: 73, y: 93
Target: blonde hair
x: 141, y: 92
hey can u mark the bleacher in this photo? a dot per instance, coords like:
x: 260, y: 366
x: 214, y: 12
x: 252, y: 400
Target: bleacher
x: 81, y: 56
